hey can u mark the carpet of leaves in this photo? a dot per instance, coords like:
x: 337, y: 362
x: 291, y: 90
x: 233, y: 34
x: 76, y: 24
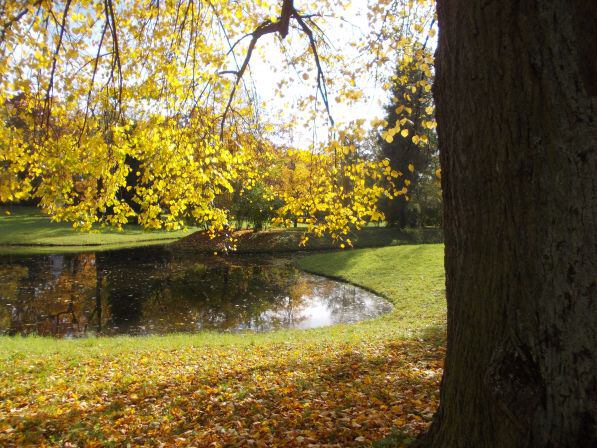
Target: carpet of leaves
x: 328, y: 394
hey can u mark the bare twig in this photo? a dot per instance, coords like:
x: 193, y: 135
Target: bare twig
x: 10, y: 22
x: 97, y: 58
x: 266, y: 27
x: 320, y: 75
x: 50, y: 88
x: 281, y: 26
x: 111, y: 19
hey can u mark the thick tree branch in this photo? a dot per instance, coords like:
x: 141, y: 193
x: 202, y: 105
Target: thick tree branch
x: 282, y: 28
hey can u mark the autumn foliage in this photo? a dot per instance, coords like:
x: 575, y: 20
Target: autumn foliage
x: 325, y: 394
x: 112, y: 113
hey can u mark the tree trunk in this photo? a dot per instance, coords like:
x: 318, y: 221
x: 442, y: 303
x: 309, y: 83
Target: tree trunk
x: 516, y: 104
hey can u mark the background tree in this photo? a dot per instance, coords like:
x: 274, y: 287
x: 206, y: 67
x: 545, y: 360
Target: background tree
x: 255, y: 207
x: 516, y: 97
x: 409, y: 141
x: 425, y: 204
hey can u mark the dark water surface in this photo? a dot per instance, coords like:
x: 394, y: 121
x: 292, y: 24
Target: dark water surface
x: 154, y: 291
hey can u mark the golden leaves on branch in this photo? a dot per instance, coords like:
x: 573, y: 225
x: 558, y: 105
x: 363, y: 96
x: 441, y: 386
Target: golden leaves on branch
x: 335, y: 191
x: 136, y: 101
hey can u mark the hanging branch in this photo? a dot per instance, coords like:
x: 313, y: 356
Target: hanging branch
x: 281, y: 27
x: 266, y: 27
x: 50, y: 88
x: 320, y: 76
x: 111, y: 20
x: 95, y: 64
x: 10, y: 22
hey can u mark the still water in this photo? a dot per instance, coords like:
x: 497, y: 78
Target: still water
x: 154, y: 291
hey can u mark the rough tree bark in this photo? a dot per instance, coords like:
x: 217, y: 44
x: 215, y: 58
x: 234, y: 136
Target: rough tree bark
x: 516, y: 96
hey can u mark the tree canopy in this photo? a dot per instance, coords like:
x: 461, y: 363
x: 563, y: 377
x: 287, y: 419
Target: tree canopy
x: 143, y: 109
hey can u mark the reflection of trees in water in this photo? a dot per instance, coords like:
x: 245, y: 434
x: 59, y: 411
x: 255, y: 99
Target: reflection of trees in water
x: 154, y: 291
x: 222, y: 294
x: 290, y: 311
x: 50, y: 296
x: 129, y: 277
x: 10, y: 276
x: 325, y: 302
x: 297, y: 293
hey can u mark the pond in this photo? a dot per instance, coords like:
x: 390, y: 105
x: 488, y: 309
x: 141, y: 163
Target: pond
x: 155, y: 291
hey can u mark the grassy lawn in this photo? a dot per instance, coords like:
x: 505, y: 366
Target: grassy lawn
x: 27, y: 230
x: 346, y: 385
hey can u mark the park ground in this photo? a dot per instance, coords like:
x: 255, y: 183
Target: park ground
x: 25, y: 230
x: 340, y: 386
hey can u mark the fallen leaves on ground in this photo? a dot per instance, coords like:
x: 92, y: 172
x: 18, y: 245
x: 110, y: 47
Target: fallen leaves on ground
x: 275, y: 395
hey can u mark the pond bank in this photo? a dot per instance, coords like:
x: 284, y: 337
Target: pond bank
x: 287, y: 240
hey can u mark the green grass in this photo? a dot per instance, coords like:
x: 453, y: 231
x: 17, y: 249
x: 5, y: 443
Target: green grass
x: 277, y: 388
x: 27, y: 230
x: 409, y: 276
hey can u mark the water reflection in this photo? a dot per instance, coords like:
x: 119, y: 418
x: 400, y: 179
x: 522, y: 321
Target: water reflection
x: 153, y: 291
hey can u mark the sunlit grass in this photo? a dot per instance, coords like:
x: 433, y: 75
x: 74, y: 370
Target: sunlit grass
x: 26, y: 230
